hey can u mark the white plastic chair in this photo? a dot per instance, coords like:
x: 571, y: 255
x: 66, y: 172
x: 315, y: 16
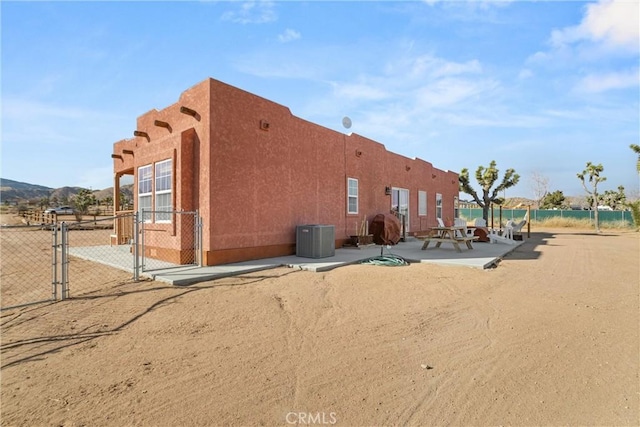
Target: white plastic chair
x: 480, y: 222
x: 517, y: 226
x: 459, y: 222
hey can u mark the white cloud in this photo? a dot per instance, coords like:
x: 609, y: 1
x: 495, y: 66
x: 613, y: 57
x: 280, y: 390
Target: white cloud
x: 525, y: 73
x: 429, y: 66
x: 538, y: 58
x: 252, y: 12
x: 289, y: 35
x: 437, y: 67
x: 16, y: 108
x: 595, y: 83
x: 614, y: 23
x: 451, y: 91
x: 360, y: 91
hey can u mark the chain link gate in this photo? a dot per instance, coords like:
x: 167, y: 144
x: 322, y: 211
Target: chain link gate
x: 97, y: 254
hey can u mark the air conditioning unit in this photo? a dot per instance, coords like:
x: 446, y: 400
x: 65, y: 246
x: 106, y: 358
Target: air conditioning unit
x: 315, y: 241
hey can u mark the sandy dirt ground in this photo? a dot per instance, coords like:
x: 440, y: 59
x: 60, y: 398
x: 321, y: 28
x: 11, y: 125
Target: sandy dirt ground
x: 549, y: 337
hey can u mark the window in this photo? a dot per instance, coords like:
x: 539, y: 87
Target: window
x: 154, y: 191
x: 438, y: 205
x: 352, y: 195
x: 144, y: 192
x: 422, y: 203
x: 163, y: 191
x: 456, y: 207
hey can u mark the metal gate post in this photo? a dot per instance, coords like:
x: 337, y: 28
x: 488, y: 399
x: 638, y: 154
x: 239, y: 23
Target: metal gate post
x: 54, y: 263
x: 136, y: 242
x: 196, y: 241
x: 64, y: 261
x: 142, y: 239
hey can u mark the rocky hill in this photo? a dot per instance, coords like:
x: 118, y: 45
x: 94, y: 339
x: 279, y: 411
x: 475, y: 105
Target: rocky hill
x: 11, y: 190
x: 15, y: 192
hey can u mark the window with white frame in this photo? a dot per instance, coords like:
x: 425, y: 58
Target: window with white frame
x: 438, y: 205
x: 422, y: 203
x: 144, y: 192
x: 163, y: 180
x: 456, y: 207
x: 352, y: 195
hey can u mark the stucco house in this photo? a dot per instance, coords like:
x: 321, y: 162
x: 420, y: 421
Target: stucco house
x: 254, y: 172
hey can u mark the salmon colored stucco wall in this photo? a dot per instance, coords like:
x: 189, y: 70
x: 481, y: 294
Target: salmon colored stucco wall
x: 376, y: 168
x: 254, y: 172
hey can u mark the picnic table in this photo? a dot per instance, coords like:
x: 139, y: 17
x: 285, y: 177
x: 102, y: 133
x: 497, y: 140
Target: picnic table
x: 454, y: 235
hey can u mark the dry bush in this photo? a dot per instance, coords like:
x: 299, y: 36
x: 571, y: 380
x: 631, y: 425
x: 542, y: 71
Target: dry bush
x: 561, y: 222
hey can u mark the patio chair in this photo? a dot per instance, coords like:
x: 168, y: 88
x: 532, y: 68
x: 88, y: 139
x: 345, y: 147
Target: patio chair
x: 459, y: 222
x: 480, y: 222
x: 440, y: 224
x: 515, y: 228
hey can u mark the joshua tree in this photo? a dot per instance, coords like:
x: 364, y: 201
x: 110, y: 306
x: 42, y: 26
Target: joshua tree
x: 486, y: 177
x: 84, y: 199
x: 553, y: 200
x: 614, y: 199
x: 636, y: 149
x: 592, y: 174
x: 635, y: 205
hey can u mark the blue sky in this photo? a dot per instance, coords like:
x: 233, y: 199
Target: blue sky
x: 541, y: 87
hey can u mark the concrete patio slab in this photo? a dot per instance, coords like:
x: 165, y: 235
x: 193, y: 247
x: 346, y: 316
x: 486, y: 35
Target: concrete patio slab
x: 482, y: 256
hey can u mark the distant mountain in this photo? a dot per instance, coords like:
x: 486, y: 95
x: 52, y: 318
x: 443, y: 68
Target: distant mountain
x: 127, y: 190
x: 20, y: 192
x: 63, y: 193
x: 12, y: 190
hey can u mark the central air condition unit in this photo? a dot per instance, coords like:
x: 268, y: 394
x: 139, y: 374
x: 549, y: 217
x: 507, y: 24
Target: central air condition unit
x: 315, y: 241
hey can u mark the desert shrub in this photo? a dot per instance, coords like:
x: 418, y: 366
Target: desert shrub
x: 635, y: 212
x: 560, y: 222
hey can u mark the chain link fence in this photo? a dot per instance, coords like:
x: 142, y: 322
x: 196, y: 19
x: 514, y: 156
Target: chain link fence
x: 542, y: 214
x: 29, y: 271
x: 171, y: 240
x: 47, y: 262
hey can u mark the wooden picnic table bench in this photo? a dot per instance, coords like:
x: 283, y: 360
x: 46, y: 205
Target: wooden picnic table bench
x: 442, y: 235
